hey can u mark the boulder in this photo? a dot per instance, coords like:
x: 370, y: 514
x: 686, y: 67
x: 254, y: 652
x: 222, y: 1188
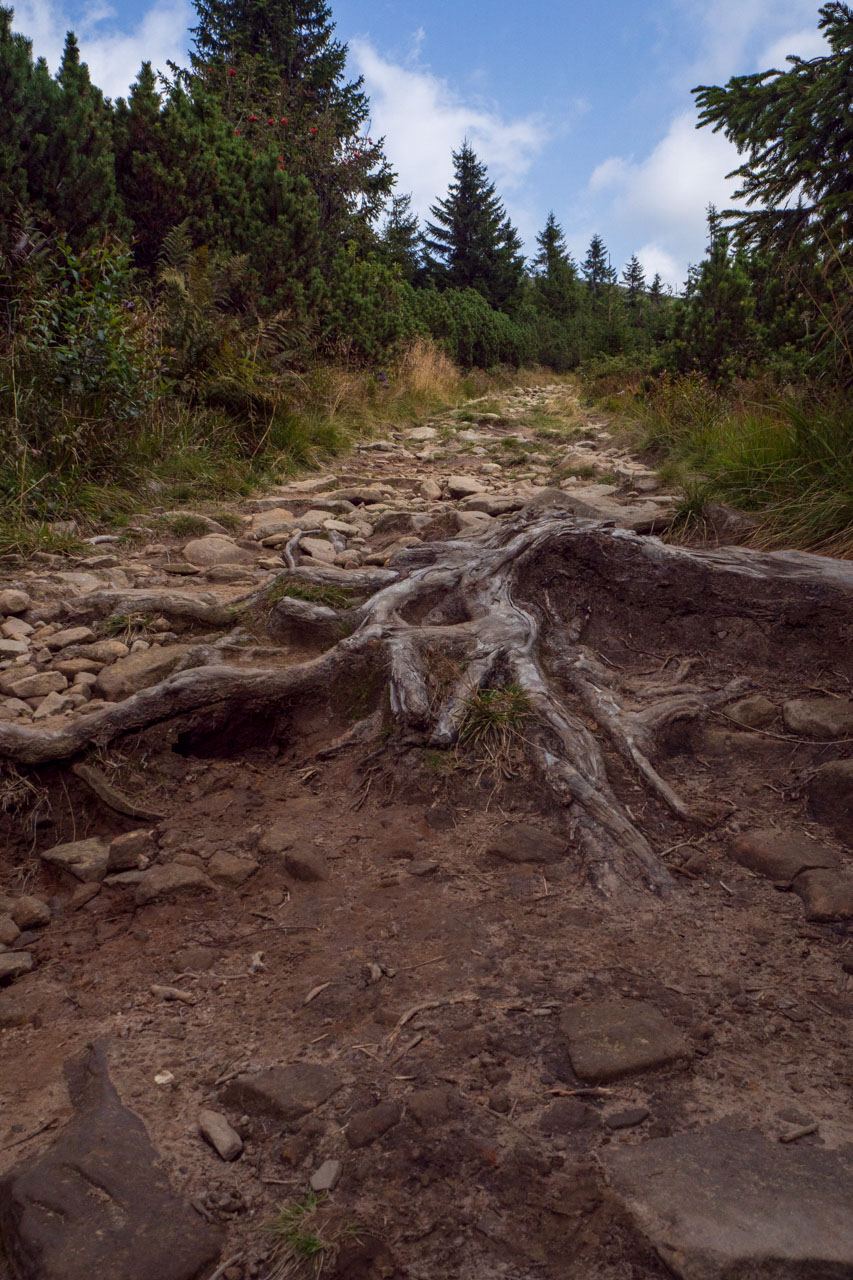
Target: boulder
x: 171, y: 880
x: 831, y: 796
x: 609, y: 1039
x: 13, y: 964
x: 227, y: 868
x: 366, y: 1126
x: 827, y: 895
x: 819, y: 717
x: 86, y: 859
x: 139, y: 671
x: 127, y: 849
x: 30, y: 912
x: 283, y: 1093
x: 464, y: 486
x: 719, y: 1204
x: 13, y: 601
x: 778, y: 855
x: 36, y: 686
x: 215, y: 549
x: 266, y: 524
x: 71, y: 635
x: 755, y: 712
x: 318, y: 549
x: 430, y: 490
x: 97, y: 1203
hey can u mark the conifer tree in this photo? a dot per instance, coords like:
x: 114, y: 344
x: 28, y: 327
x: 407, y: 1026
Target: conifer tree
x: 401, y: 238
x: 471, y: 243
x: 555, y: 271
x: 718, y: 328
x: 596, y: 268
x: 656, y: 290
x: 635, y: 280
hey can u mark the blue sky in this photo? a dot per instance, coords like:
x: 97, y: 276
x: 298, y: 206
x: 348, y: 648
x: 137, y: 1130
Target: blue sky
x: 582, y: 109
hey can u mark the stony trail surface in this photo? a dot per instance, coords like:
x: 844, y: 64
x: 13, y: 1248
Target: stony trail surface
x: 376, y: 967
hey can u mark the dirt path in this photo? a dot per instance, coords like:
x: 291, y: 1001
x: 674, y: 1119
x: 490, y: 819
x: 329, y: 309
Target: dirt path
x: 505, y: 1051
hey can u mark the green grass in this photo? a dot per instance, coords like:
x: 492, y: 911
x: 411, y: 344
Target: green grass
x: 492, y: 726
x: 186, y: 526
x: 787, y: 460
x: 327, y: 594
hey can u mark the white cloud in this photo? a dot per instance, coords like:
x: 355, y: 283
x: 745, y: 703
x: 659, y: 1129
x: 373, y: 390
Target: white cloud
x: 808, y: 43
x: 423, y: 119
x: 113, y: 53
x: 662, y: 199
x: 657, y: 261
x: 733, y: 33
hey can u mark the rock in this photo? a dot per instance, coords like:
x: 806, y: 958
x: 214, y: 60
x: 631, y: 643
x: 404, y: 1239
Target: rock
x: 756, y: 712
x: 327, y: 1176
x: 54, y: 704
x: 233, y: 572
x: 827, y: 894
x: 13, y: 648
x: 366, y: 1126
x: 72, y: 635
x: 430, y: 490
x: 565, y: 1115
x: 719, y: 1204
x: 266, y: 524
x: 16, y: 629
x: 216, y: 1130
x: 227, y: 868
x: 97, y: 1203
x: 431, y: 1106
x: 195, y: 959
x: 125, y: 879
x: 363, y: 495
x: 180, y: 569
x: 13, y: 964
x: 127, y: 849
x: 493, y: 504
x: 277, y: 838
x: 420, y: 434
x: 726, y: 524
x: 13, y: 601
x: 521, y: 842
x: 626, y: 1119
x: 284, y: 1093
x: 85, y: 893
x: 30, y: 912
x: 139, y: 671
x: 472, y: 521
x: 819, y: 717
x: 314, y: 484
x: 103, y: 651
x: 166, y: 881
x: 9, y: 931
x: 609, y: 1039
x: 74, y: 667
x: 831, y: 796
x: 464, y: 486
x: 215, y: 549
x: 37, y: 686
x: 318, y: 549
x: 85, y: 859
x: 421, y: 867
x: 304, y: 865
x: 778, y: 856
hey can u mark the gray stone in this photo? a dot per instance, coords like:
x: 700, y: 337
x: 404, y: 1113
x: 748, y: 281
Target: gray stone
x: 831, y: 796
x: 277, y: 838
x: 139, y: 671
x: 215, y: 1129
x: 318, y: 549
x: 420, y: 434
x: 9, y: 931
x: 127, y: 849
x: 366, y: 1126
x: 626, y: 1119
x: 37, y: 686
x: 266, y: 524
x: 12, y: 648
x: 304, y: 865
x: 215, y: 549
x: 778, y: 856
x: 522, y: 842
x: 13, y: 601
x: 430, y: 490
x: 97, y: 1203
x: 565, y: 1115
x: 54, y: 704
x: 30, y: 912
x: 170, y: 880
x: 756, y: 712
x: 16, y: 629
x: 284, y: 1093
x: 85, y: 859
x: 464, y: 486
x: 609, y: 1039
x: 719, y: 1204
x: 494, y: 504
x: 227, y: 868
x: 71, y: 635
x: 103, y: 651
x: 327, y: 1176
x: 819, y: 717
x: 13, y: 964
x: 827, y: 895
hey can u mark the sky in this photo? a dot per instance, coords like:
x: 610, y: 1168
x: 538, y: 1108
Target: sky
x: 582, y: 109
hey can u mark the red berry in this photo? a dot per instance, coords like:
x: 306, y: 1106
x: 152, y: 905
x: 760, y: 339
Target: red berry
x: 236, y: 133
x: 231, y: 71
x: 313, y: 130
x: 270, y: 121
x: 252, y: 119
x: 284, y: 120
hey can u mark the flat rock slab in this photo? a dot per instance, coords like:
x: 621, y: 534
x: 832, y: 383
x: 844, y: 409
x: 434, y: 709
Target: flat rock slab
x: 139, y: 671
x: 522, y: 842
x: 97, y: 1204
x: 609, y: 1039
x: 819, y: 717
x: 827, y: 895
x: 285, y: 1093
x: 724, y: 1205
x: 778, y: 856
x: 170, y: 880
x: 464, y: 486
x: 86, y: 859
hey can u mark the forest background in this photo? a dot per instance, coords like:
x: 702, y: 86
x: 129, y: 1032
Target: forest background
x: 216, y: 278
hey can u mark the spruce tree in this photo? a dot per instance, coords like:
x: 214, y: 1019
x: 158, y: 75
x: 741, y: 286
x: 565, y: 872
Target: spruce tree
x: 31, y: 106
x: 656, y: 290
x: 555, y: 272
x: 471, y: 243
x: 596, y: 268
x: 401, y: 238
x: 634, y: 279
x: 718, y: 328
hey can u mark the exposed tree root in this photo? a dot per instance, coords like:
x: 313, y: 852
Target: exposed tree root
x: 471, y: 600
